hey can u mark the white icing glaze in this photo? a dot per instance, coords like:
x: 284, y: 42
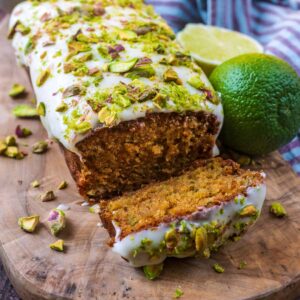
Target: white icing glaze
x: 63, y: 207
x: 50, y: 93
x: 126, y: 246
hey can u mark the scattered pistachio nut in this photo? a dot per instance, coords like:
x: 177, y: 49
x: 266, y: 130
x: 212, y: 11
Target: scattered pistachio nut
x: 248, y: 211
x: 41, y: 109
x: 218, y: 268
x: 13, y: 152
x: 242, y: 265
x: 153, y: 271
x: 22, y: 132
x: 40, y: 147
x: 95, y: 209
x: 127, y: 35
x: 277, y: 209
x: 35, y: 184
x: 56, y: 221
x: 57, y: 246
x: 43, y: 76
x: 24, y: 111
x: 171, y: 76
x: 10, y: 140
x: 30, y: 223
x: 122, y: 66
x: 47, y: 196
x: 17, y: 90
x: 63, y: 185
x: 3, y: 147
x: 178, y: 293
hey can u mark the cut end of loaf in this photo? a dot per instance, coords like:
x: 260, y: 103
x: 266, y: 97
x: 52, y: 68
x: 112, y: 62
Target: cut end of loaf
x: 134, y: 153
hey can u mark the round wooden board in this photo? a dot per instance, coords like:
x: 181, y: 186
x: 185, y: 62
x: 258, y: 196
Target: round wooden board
x: 90, y: 270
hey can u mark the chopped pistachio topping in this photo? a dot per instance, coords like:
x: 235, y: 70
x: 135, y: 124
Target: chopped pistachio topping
x: 218, y: 268
x: 35, y: 184
x: 63, y: 185
x: 57, y: 246
x: 277, y: 209
x: 127, y: 35
x: 43, y: 76
x: 72, y: 90
x: 196, y: 82
x: 122, y: 66
x: 10, y: 140
x: 62, y: 107
x: 171, y: 76
x: 16, y: 90
x: 24, y: 111
x: 178, y: 293
x: 153, y: 271
x: 40, y: 147
x: 201, y: 239
x: 30, y: 223
x: 22, y: 29
x: 47, y: 196
x: 107, y: 116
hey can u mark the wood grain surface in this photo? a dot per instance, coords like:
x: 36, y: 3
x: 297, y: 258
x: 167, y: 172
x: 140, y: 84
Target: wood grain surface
x: 90, y: 270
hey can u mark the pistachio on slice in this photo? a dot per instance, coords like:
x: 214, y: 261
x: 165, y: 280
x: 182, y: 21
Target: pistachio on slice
x: 171, y: 76
x: 56, y: 221
x: 196, y: 82
x: 35, y: 184
x: 57, y: 246
x: 63, y: 185
x: 43, y: 76
x: 248, y: 211
x: 62, y: 107
x: 200, y: 239
x: 83, y: 127
x: 12, y: 30
x: 3, y: 147
x: 72, y: 90
x: 16, y: 90
x: 22, y: 29
x: 29, y: 223
x: 24, y: 111
x: 48, y: 196
x: 218, y: 268
x: 40, y: 147
x: 122, y: 66
x: 277, y: 209
x: 22, y: 132
x: 10, y: 140
x: 107, y: 116
x: 153, y: 271
x: 41, y: 109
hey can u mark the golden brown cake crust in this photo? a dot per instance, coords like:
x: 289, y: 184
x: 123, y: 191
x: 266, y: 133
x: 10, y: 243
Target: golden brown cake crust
x: 137, y: 152
x: 206, y: 183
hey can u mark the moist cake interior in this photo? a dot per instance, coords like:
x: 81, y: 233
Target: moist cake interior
x: 208, y: 183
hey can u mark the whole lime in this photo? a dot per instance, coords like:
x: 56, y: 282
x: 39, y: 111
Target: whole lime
x: 261, y: 100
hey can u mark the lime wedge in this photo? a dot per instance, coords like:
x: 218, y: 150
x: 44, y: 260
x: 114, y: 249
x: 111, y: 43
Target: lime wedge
x: 210, y: 45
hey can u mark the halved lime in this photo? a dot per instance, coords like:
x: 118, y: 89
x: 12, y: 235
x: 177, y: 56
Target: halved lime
x: 210, y: 45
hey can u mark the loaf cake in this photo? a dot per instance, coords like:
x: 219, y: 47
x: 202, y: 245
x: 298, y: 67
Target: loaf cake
x: 188, y: 215
x: 112, y: 85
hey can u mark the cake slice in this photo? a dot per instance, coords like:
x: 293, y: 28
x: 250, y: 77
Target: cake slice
x: 188, y: 215
x: 117, y: 91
